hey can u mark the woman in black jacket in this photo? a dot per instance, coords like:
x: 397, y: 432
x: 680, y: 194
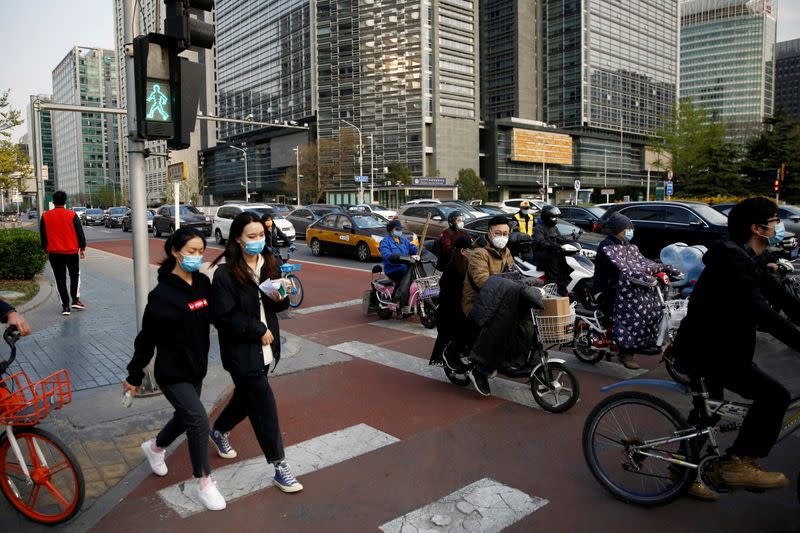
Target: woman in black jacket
x: 176, y: 324
x: 451, y: 323
x: 249, y: 340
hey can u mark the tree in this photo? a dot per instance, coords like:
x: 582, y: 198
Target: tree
x: 470, y: 185
x: 322, y: 164
x: 14, y: 166
x: 693, y: 145
x: 778, y: 143
x: 9, y: 118
x: 398, y: 172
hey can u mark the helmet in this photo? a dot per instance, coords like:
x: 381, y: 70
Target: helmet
x: 451, y: 218
x: 524, y: 204
x: 550, y: 214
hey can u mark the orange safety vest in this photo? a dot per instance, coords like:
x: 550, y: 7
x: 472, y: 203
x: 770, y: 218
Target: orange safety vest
x: 525, y: 223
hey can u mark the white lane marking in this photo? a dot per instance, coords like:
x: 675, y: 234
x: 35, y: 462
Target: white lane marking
x: 246, y: 477
x: 604, y: 368
x: 326, y: 307
x: 486, y: 506
x: 507, y: 389
x: 363, y: 270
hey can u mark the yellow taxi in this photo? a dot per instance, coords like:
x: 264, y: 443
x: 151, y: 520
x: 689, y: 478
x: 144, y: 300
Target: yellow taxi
x: 348, y: 233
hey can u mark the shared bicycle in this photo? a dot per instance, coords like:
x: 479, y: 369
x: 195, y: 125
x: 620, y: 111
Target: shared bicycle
x: 288, y: 271
x: 39, y: 475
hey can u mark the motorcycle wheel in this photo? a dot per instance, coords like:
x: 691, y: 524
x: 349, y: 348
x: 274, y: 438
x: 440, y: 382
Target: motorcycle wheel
x: 384, y: 314
x: 462, y: 380
x: 429, y: 320
x: 584, y: 348
x: 554, y: 399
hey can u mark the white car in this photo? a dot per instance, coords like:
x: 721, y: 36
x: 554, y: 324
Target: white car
x: 221, y: 227
x: 512, y: 204
x: 424, y: 201
x: 374, y: 208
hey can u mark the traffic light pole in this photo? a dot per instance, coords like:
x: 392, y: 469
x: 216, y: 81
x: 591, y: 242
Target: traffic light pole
x: 141, y: 248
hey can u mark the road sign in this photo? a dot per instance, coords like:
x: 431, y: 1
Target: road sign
x: 668, y: 190
x: 362, y: 179
x: 16, y: 198
x: 669, y: 175
x: 607, y: 191
x: 176, y: 172
x: 577, y: 185
x: 45, y: 173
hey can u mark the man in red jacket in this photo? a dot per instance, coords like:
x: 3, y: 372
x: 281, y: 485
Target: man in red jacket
x: 62, y: 240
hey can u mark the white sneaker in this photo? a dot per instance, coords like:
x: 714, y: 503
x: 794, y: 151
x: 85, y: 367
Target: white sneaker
x: 156, y: 460
x: 211, y: 497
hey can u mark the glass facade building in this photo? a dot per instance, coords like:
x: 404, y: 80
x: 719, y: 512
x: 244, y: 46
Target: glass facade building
x: 86, y: 147
x: 787, y: 78
x: 727, y: 60
x: 46, y: 129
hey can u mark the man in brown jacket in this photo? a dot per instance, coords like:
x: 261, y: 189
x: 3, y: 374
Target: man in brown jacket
x: 494, y: 258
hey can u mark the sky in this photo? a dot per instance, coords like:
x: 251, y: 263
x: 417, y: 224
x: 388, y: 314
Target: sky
x: 37, y: 34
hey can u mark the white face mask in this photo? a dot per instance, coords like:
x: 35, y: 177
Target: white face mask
x: 499, y: 242
x: 459, y: 225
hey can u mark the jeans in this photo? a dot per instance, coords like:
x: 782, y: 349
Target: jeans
x: 61, y: 263
x: 190, y: 416
x: 763, y: 422
x: 252, y: 398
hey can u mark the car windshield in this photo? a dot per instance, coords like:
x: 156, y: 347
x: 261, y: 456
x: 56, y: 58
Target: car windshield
x: 186, y: 209
x: 117, y: 210
x: 447, y: 209
x: 597, y: 211
x: 565, y: 228
x: 94, y: 211
x: 793, y: 210
x: 711, y: 215
x: 150, y: 213
x: 261, y: 211
x: 369, y: 221
x: 321, y: 212
x: 376, y: 207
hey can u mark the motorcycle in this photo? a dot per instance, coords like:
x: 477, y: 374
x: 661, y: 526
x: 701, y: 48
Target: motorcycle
x: 593, y: 341
x: 423, y: 293
x: 554, y: 387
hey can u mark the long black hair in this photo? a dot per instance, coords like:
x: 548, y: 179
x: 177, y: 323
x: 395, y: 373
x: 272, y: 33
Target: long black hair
x: 234, y: 256
x: 175, y: 243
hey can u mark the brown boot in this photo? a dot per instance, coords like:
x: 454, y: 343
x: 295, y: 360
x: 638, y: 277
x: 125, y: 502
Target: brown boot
x: 628, y: 362
x: 745, y: 472
x: 701, y: 492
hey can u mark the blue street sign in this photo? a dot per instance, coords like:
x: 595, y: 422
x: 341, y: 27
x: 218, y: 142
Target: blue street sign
x: 362, y: 179
x: 668, y: 191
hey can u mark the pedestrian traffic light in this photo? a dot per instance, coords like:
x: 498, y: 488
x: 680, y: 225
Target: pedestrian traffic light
x: 154, y: 62
x: 188, y: 31
x: 777, y: 185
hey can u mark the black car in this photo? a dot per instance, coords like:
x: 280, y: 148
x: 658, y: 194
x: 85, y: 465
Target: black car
x: 127, y: 222
x: 585, y: 217
x: 589, y: 241
x: 33, y: 213
x: 164, y: 220
x: 114, y: 217
x: 305, y: 216
x: 94, y: 217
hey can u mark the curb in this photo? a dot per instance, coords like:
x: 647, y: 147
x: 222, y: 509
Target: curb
x: 45, y: 290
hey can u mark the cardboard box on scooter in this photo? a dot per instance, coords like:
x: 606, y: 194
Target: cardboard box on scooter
x: 556, y: 306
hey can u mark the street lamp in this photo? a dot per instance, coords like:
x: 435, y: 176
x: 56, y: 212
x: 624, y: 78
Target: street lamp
x: 297, y: 172
x: 360, y: 160
x: 371, y: 167
x: 243, y: 149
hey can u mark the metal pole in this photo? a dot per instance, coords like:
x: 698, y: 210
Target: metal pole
x: 141, y: 248
x: 605, y: 171
x: 371, y: 168
x: 544, y: 173
x: 778, y: 192
x: 547, y: 187
x: 297, y: 163
x: 246, y: 183
x: 176, y: 192
x: 37, y: 163
x: 360, y: 161
x: 647, y: 198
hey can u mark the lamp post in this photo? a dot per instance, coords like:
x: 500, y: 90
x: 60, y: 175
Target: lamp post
x: 371, y: 167
x: 246, y: 184
x: 360, y: 160
x: 297, y: 162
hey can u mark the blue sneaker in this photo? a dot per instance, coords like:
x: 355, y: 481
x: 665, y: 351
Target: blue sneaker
x: 222, y: 444
x: 284, y: 478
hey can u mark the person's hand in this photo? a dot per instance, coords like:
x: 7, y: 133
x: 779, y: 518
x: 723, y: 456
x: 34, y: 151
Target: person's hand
x: 415, y: 257
x: 83, y: 254
x: 772, y: 266
x: 15, y: 319
x: 127, y: 387
x: 267, y: 338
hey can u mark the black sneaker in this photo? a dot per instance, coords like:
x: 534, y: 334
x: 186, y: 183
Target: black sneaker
x: 480, y: 380
x: 65, y: 310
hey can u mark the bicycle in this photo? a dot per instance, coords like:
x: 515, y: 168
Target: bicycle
x: 288, y: 271
x: 42, y: 493
x: 639, y: 447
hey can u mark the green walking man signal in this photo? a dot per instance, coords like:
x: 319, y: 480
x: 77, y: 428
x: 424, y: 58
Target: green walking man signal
x: 159, y: 106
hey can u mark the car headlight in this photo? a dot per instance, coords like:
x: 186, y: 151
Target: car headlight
x: 208, y: 219
x: 377, y: 238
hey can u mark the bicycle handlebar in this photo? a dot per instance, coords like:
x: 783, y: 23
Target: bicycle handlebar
x: 10, y: 335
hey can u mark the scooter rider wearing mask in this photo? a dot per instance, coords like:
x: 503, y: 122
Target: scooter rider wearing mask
x: 455, y: 222
x: 547, y: 252
x: 524, y: 218
x: 396, y: 244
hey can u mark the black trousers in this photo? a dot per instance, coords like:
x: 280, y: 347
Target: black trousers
x: 190, y: 417
x: 764, y: 420
x: 402, y: 282
x: 252, y: 398
x: 61, y: 263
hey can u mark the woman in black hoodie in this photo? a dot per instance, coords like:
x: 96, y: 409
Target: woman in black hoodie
x: 176, y: 324
x: 249, y: 340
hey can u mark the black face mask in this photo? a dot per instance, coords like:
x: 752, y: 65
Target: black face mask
x: 550, y: 221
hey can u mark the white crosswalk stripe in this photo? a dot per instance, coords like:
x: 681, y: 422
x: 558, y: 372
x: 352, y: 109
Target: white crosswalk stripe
x: 486, y: 506
x: 246, y: 477
x: 326, y: 307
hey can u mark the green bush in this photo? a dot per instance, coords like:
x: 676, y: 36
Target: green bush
x: 21, y: 255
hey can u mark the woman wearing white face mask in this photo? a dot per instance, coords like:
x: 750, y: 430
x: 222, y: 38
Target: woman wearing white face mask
x: 455, y: 230
x: 176, y: 324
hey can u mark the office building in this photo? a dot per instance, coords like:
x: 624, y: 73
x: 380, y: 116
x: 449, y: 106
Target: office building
x: 46, y: 129
x: 150, y: 18
x: 86, y: 145
x: 727, y: 60
x: 787, y: 78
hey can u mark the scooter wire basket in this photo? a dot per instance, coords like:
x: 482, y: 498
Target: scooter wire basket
x: 555, y: 329
x: 23, y: 403
x: 428, y: 286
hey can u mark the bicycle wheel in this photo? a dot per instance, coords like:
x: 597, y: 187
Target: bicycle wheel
x: 554, y: 387
x: 629, y: 419
x: 57, y: 491
x: 296, y: 292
